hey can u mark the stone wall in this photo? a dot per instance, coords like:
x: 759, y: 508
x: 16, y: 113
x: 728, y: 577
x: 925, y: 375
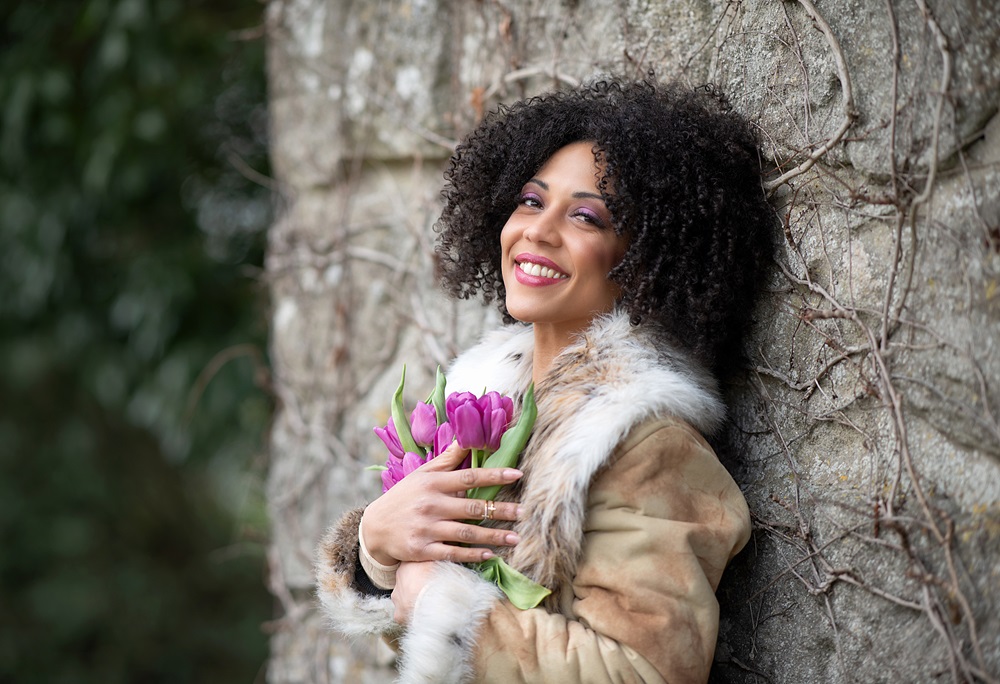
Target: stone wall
x: 865, y: 432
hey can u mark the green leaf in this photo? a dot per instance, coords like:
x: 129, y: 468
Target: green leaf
x: 521, y: 591
x: 401, y: 422
x: 437, y: 397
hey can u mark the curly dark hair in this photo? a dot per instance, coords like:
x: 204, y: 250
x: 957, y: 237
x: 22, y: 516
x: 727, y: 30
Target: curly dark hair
x: 681, y: 181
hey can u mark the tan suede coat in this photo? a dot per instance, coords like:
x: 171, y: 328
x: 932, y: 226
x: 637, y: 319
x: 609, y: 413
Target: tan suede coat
x: 630, y: 521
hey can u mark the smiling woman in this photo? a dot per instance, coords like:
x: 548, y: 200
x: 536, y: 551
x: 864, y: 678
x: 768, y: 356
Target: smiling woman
x: 623, y: 225
x: 558, y: 248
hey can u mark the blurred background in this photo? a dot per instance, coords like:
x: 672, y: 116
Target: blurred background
x: 134, y: 400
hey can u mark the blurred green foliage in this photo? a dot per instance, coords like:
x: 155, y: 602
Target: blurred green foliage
x: 133, y: 402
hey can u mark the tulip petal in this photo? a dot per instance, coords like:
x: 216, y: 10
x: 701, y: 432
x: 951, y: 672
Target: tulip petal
x: 443, y: 438
x: 507, y: 404
x: 411, y: 462
x: 390, y: 439
x: 387, y: 481
x: 498, y: 423
x: 456, y: 399
x: 423, y: 424
x: 468, y: 423
x: 392, y: 474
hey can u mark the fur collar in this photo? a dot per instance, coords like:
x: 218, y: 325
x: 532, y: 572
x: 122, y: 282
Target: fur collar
x: 612, y: 378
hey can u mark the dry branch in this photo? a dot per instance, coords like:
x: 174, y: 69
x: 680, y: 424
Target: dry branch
x: 848, y: 103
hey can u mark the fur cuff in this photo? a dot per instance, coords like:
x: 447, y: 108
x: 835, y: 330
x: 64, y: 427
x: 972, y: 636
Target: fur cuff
x: 441, y: 637
x: 348, y: 610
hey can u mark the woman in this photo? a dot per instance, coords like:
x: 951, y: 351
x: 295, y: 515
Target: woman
x: 626, y: 226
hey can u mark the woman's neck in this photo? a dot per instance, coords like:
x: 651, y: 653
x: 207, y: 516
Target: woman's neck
x: 550, y: 340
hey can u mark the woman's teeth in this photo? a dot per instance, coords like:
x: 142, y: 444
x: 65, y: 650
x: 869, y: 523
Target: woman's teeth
x: 543, y: 271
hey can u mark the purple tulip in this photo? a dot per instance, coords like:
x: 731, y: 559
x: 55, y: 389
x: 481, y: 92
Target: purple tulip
x: 468, y: 424
x: 498, y: 423
x: 411, y: 462
x: 497, y: 411
x: 423, y: 424
x: 443, y: 438
x: 393, y: 472
x: 479, y: 422
x: 456, y: 399
x: 466, y: 417
x: 494, y: 401
x: 398, y: 468
x: 390, y: 439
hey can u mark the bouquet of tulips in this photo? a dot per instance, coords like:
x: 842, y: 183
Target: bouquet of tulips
x: 480, y: 424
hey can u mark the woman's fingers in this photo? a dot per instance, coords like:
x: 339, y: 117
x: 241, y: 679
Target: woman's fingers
x: 466, y: 478
x: 477, y: 509
x: 449, y: 459
x: 458, y: 554
x: 474, y: 535
x: 485, y: 477
x: 457, y: 542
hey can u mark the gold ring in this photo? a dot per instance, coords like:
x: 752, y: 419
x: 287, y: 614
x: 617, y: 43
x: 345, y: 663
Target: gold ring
x: 488, y: 509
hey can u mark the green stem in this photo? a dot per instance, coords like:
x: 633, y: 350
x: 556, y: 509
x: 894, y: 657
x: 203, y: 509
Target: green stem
x: 401, y: 422
x: 437, y: 399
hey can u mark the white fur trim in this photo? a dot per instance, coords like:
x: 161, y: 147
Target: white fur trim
x: 663, y: 378
x: 501, y: 362
x: 441, y: 637
x: 650, y: 379
x: 355, y: 614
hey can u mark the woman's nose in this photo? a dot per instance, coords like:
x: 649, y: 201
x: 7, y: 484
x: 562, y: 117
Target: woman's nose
x: 543, y: 228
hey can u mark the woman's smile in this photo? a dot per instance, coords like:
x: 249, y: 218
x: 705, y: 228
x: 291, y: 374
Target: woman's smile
x: 535, y: 270
x: 559, y: 245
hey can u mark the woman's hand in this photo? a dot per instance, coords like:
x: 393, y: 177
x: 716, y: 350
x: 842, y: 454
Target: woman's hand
x: 421, y: 517
x: 411, y: 578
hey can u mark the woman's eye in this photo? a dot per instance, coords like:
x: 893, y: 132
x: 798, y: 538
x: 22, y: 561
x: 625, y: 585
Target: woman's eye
x: 529, y: 200
x: 591, y: 218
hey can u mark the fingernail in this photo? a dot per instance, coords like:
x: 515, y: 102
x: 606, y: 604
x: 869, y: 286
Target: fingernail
x: 512, y: 539
x: 511, y: 473
x: 487, y: 555
x: 520, y: 512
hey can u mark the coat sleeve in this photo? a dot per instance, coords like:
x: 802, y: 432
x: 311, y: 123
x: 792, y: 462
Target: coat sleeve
x: 350, y: 602
x: 663, y: 521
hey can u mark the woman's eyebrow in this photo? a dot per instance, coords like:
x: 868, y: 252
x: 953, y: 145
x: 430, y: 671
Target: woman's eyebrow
x: 576, y: 195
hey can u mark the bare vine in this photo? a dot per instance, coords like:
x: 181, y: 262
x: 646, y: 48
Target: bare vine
x: 926, y: 541
x: 848, y: 103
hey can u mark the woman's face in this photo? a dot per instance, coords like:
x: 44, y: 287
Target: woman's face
x: 559, y: 245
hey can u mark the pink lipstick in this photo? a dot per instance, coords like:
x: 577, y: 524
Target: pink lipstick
x: 535, y: 270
